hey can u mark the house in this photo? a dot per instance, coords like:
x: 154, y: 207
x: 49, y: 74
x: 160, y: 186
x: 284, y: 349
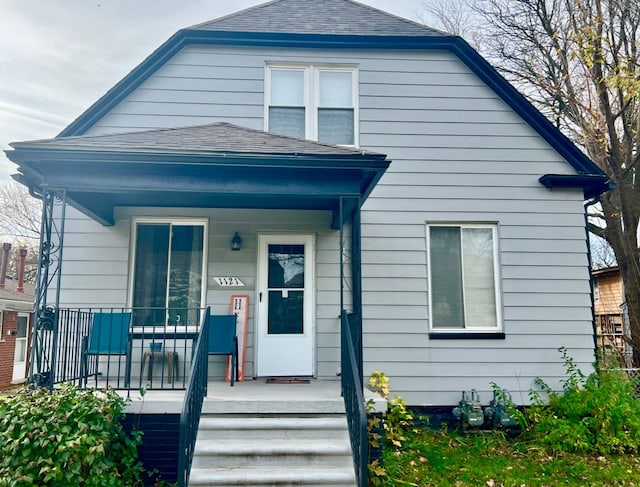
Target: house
x: 16, y: 310
x: 378, y: 195
x: 608, y: 299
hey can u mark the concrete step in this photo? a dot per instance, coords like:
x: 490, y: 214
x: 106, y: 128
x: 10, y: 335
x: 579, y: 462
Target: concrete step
x: 222, y: 427
x: 280, y: 476
x: 273, y: 449
x: 213, y: 405
x: 278, y: 452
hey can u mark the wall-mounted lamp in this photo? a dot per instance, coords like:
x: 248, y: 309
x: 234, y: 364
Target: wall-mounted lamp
x: 236, y: 241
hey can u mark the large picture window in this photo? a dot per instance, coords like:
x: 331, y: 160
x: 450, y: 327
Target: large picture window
x: 463, y: 290
x: 168, y: 273
x: 312, y: 102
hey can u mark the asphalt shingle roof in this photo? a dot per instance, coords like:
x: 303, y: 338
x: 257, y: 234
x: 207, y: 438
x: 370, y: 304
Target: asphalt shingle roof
x: 342, y: 17
x: 10, y: 292
x: 215, y: 138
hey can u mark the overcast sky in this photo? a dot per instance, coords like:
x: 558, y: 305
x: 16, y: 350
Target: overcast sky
x: 59, y: 56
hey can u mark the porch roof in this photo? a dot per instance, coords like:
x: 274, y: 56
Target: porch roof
x: 218, y: 165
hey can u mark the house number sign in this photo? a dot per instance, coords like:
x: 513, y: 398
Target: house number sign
x: 228, y: 281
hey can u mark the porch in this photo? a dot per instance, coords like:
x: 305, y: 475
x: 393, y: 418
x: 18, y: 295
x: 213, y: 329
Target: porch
x: 143, y: 218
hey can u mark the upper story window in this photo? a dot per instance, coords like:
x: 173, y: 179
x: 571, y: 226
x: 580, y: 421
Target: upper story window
x: 312, y: 102
x: 463, y: 277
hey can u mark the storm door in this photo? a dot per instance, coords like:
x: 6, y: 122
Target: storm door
x: 285, y: 339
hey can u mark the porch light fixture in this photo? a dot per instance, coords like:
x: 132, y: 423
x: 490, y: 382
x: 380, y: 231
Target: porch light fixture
x: 236, y: 241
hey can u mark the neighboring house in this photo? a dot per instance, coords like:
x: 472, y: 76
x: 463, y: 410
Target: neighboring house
x: 608, y: 298
x: 368, y: 164
x: 16, y: 310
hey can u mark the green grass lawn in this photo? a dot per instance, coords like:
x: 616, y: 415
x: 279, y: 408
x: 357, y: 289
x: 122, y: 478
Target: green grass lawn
x: 487, y: 459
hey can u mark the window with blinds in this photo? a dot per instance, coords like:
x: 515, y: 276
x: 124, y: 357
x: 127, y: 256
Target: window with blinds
x: 463, y: 282
x: 312, y: 102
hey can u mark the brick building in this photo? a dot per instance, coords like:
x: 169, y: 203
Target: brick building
x: 16, y: 307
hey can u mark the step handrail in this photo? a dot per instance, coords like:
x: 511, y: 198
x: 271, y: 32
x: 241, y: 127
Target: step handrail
x: 352, y: 393
x: 192, y: 404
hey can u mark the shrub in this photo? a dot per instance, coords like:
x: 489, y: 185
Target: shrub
x: 596, y: 414
x: 395, y: 425
x: 66, y: 437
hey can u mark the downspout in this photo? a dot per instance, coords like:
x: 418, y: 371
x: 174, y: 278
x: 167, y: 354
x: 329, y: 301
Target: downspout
x: 589, y: 203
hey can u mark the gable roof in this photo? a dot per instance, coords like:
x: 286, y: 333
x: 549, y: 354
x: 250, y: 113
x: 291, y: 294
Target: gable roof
x: 383, y: 31
x: 318, y: 17
x: 216, y: 138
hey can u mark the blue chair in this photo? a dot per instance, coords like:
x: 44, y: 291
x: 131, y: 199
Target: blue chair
x: 223, y: 340
x: 109, y: 335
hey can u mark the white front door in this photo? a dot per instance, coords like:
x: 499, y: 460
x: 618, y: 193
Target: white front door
x: 20, y: 354
x: 285, y: 327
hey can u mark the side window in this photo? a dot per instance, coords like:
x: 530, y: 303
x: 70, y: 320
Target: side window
x: 463, y: 277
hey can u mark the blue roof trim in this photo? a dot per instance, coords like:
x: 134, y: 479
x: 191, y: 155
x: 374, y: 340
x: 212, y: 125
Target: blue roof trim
x: 593, y: 185
x: 458, y: 46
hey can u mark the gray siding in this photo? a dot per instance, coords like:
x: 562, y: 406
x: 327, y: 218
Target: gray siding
x: 459, y: 154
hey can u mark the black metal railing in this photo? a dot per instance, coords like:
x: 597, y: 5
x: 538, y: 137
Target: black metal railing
x: 352, y: 393
x: 192, y: 405
x: 117, y: 348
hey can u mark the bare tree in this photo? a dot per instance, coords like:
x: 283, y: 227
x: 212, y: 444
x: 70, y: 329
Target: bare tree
x: 20, y: 225
x: 454, y: 17
x: 19, y: 212
x: 602, y: 255
x: 578, y: 61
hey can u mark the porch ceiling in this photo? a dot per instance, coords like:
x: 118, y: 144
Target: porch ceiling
x: 213, y: 166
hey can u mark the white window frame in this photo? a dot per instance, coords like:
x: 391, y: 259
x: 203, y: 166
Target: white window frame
x: 496, y: 279
x: 1, y: 322
x: 204, y: 222
x: 312, y: 95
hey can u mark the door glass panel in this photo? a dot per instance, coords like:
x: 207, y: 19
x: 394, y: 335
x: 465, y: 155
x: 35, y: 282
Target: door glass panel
x: 150, y: 278
x: 286, y: 266
x: 286, y: 312
x: 286, y: 273
x: 21, y: 331
x: 21, y: 350
x: 185, y: 283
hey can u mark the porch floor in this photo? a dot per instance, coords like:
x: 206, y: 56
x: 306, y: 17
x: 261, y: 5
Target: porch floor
x: 250, y: 396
